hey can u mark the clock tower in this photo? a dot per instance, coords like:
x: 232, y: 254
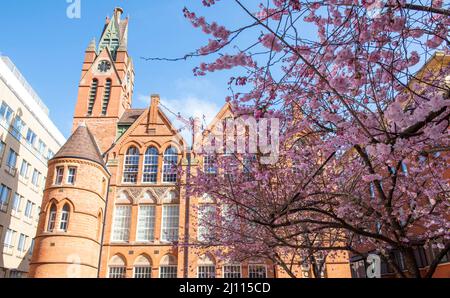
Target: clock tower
x: 107, y: 79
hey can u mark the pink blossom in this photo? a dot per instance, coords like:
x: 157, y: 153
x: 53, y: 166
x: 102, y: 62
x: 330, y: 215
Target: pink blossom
x: 271, y: 42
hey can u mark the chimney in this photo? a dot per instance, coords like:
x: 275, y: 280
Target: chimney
x: 153, y: 112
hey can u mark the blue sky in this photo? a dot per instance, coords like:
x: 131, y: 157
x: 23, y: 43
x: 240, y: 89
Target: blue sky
x: 48, y: 48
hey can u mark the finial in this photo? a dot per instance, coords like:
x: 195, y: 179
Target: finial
x: 82, y: 124
x: 92, y: 46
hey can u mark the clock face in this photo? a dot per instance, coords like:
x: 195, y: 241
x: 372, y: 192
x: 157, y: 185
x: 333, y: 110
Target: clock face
x: 104, y: 66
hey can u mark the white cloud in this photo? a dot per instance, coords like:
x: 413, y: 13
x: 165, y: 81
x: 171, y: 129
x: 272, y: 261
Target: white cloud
x: 188, y: 107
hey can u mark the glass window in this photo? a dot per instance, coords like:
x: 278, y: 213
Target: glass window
x: 232, y: 271
x: 2, y: 148
x: 24, y: 169
x: 170, y: 221
x: 206, y: 271
x: 64, y: 222
x: 142, y: 272
x: 121, y: 226
x: 150, y: 170
x: 29, y: 209
x: 31, y: 247
x: 35, y: 178
x: 168, y: 271
x: 170, y: 165
x: 50, y: 154
x: 31, y: 137
x: 9, y: 239
x: 22, y: 243
x: 5, y: 113
x: 41, y: 147
x: 12, y: 159
x: 117, y: 272
x: 16, y: 202
x: 59, y: 175
x: 52, y: 219
x: 131, y: 165
x: 146, y: 223
x: 17, y: 128
x: 257, y: 271
x: 5, y: 193
x: 71, y: 176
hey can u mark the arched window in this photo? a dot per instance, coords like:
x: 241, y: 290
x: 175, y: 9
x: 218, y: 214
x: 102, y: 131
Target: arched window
x: 117, y: 267
x: 131, y: 165
x: 64, y: 222
x: 150, y: 165
x: 206, y: 267
x: 51, y: 219
x: 142, y: 267
x: 168, y: 267
x: 106, y: 97
x: 92, y: 96
x: 170, y: 164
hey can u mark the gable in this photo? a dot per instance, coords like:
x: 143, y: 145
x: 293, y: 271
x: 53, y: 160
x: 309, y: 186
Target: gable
x: 142, y: 134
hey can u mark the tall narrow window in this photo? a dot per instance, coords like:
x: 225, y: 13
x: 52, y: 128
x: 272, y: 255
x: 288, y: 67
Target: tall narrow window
x: 150, y: 165
x: 5, y: 193
x: 52, y: 219
x: 12, y: 159
x: 106, y: 97
x: 71, y: 176
x: 64, y: 222
x: 92, y: 96
x: 170, y: 164
x: 31, y: 137
x: 17, y: 128
x: 16, y: 203
x: 22, y: 243
x: 29, y: 209
x: 146, y: 223
x: 9, y: 240
x: 24, y: 169
x: 131, y: 165
x: 5, y: 113
x: 121, y: 227
x: 59, y: 175
x: 35, y: 178
x: 170, y: 221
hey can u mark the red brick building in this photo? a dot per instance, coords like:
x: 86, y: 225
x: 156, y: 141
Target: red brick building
x: 113, y: 206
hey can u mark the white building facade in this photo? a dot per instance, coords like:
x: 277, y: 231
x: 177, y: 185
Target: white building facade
x: 28, y: 138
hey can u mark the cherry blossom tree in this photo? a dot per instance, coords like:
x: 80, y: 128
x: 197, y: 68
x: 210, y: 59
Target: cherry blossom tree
x: 364, y: 129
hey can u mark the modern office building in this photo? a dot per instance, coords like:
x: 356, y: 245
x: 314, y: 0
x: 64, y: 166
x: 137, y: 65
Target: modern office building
x: 28, y: 139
